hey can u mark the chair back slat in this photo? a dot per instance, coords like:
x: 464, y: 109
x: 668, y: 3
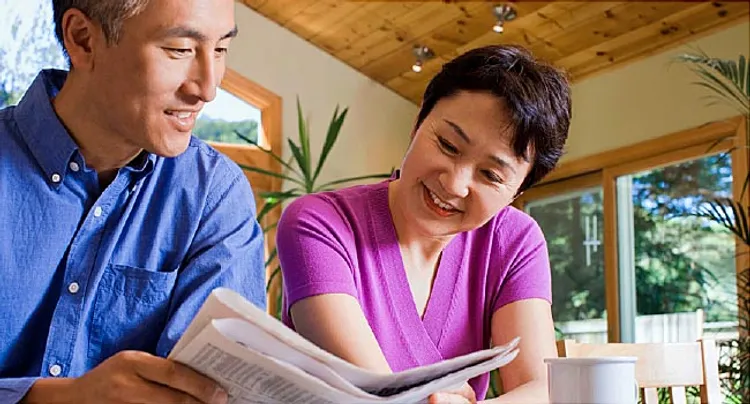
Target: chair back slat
x: 673, y: 365
x: 650, y: 395
x: 677, y: 395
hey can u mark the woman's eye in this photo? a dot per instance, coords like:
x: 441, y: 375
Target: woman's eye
x: 221, y: 51
x: 492, y: 177
x: 447, y: 146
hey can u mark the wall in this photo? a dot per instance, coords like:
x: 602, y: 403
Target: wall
x: 648, y: 98
x: 376, y: 131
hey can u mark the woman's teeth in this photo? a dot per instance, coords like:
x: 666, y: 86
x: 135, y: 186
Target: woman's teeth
x: 438, y: 202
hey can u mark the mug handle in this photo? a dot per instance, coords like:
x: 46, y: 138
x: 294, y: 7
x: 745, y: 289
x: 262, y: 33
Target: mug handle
x: 637, y: 390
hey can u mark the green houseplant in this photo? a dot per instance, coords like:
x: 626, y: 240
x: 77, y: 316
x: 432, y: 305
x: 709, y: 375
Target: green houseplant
x: 300, y: 175
x: 728, y: 82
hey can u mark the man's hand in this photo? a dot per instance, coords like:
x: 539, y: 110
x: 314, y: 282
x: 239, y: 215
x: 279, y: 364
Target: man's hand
x: 131, y: 377
x: 463, y: 395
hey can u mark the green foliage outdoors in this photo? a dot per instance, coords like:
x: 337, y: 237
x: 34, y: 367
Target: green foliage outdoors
x: 218, y: 130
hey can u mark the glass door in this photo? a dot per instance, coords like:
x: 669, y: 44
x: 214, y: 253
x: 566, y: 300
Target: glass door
x: 573, y: 227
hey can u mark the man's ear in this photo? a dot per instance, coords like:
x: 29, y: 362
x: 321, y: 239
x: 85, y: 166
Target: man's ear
x: 80, y: 38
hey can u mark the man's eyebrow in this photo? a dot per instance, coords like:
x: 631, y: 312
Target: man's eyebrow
x: 458, y: 131
x: 192, y: 33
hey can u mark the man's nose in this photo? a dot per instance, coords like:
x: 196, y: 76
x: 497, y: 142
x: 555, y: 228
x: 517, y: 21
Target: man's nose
x: 204, y: 78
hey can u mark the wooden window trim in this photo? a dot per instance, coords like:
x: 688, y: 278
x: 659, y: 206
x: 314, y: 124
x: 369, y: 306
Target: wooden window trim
x: 269, y: 105
x: 707, y: 133
x: 604, y: 168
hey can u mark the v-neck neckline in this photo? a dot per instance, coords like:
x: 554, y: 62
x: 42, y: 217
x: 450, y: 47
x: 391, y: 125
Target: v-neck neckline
x: 425, y: 331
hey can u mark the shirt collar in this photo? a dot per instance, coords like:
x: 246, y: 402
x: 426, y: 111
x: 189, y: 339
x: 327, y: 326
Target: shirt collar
x: 42, y: 130
x: 45, y: 134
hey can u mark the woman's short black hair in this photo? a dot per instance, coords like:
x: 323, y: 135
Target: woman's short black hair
x: 536, y: 94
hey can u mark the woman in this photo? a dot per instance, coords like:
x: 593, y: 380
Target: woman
x: 434, y: 263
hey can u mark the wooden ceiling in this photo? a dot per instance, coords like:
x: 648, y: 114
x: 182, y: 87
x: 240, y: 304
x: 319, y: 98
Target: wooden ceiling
x: 377, y: 37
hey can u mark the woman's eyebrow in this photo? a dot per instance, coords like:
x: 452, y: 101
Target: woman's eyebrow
x: 459, y: 131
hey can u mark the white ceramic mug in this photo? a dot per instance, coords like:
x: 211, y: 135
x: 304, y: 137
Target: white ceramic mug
x: 594, y: 380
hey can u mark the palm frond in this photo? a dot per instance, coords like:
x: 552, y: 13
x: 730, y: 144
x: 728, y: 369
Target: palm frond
x: 301, y: 162
x: 333, y: 133
x: 729, y: 214
x: 352, y: 179
x: 267, y: 208
x: 268, y: 152
x: 270, y: 173
x: 304, y: 159
x: 728, y: 78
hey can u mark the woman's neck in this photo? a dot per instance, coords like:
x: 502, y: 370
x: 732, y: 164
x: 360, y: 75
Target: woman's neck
x: 421, y: 249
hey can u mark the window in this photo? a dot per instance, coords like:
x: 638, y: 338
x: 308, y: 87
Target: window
x: 665, y: 276
x: 572, y: 226
x: 224, y: 117
x: 27, y: 45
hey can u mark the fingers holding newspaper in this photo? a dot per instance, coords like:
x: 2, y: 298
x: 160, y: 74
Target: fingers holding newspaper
x: 463, y: 395
x: 132, y: 377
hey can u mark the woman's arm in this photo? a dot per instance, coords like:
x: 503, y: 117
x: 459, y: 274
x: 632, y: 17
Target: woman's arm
x: 336, y: 323
x: 525, y: 378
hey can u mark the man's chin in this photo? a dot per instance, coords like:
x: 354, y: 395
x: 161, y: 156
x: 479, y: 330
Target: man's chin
x: 171, y: 149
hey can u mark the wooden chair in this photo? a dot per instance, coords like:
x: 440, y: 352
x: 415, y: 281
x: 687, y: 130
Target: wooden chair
x: 670, y: 365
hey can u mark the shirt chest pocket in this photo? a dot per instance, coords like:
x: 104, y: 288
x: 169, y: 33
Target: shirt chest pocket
x: 129, y: 311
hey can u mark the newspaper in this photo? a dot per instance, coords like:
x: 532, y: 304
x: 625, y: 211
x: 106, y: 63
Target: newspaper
x: 257, y: 359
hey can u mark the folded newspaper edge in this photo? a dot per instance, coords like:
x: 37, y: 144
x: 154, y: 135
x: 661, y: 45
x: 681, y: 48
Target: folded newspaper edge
x: 230, y: 333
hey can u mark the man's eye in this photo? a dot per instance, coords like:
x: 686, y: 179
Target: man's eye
x: 221, y: 51
x: 180, y: 51
x: 447, y: 146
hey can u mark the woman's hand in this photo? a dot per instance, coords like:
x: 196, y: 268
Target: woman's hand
x: 463, y: 395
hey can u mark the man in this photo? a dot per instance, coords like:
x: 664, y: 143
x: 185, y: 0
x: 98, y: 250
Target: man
x: 117, y: 224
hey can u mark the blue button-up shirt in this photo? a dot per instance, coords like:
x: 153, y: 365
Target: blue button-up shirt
x: 86, y: 272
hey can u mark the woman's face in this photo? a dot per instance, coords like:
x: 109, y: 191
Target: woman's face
x: 460, y: 169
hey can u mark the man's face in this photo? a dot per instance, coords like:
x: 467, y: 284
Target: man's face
x: 150, y: 86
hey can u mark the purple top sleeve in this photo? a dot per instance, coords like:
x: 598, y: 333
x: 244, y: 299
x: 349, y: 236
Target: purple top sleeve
x: 315, y: 241
x: 523, y: 248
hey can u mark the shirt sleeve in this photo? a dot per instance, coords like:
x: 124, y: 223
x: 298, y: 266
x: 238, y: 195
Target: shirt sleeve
x: 524, y: 251
x: 13, y: 390
x: 227, y: 251
x: 313, y: 242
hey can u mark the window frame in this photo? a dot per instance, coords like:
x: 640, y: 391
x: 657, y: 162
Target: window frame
x: 270, y: 138
x: 603, y: 169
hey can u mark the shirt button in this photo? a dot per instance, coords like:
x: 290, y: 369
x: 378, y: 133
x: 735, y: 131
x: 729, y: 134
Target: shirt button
x: 73, y: 287
x: 55, y: 370
x: 74, y: 166
x: 56, y: 178
x: 98, y: 211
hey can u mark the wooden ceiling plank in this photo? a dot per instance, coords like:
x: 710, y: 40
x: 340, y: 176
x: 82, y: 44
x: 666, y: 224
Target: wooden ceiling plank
x: 253, y: 4
x: 320, y: 15
x: 514, y: 34
x: 335, y: 35
x: 402, y: 29
x: 282, y: 11
x: 564, y: 21
x: 699, y: 20
x: 619, y: 20
x: 463, y: 22
x: 443, y: 41
x: 349, y: 32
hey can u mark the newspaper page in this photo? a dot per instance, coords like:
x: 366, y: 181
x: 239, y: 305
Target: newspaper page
x: 226, y: 352
x: 256, y: 331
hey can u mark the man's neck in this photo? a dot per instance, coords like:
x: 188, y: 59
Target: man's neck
x: 102, y: 150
